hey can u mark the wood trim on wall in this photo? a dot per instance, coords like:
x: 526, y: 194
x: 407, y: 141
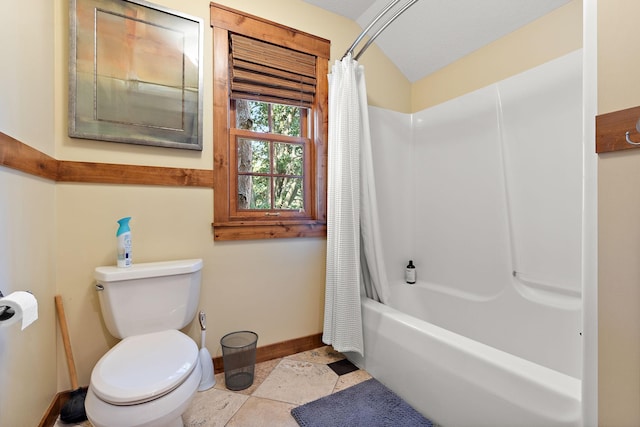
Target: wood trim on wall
x: 231, y: 231
x: 611, y: 129
x: 107, y: 173
x: 18, y: 155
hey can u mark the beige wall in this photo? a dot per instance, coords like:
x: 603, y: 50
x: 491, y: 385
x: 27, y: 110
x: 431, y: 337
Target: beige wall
x: 27, y: 213
x: 273, y: 287
x: 52, y: 236
x: 547, y: 38
x: 68, y: 229
x: 27, y: 262
x: 619, y: 230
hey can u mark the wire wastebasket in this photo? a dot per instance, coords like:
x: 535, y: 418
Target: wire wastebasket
x: 239, y: 358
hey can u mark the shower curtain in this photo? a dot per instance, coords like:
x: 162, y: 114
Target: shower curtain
x: 355, y: 262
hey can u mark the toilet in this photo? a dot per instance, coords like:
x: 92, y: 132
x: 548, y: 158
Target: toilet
x: 150, y: 377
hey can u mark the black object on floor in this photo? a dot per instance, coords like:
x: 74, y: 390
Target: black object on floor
x: 73, y: 410
x: 342, y: 367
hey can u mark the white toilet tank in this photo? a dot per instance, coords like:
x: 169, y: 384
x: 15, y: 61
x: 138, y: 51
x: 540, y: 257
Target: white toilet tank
x: 148, y: 297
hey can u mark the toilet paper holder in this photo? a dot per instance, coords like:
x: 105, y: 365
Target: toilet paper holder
x: 6, y: 312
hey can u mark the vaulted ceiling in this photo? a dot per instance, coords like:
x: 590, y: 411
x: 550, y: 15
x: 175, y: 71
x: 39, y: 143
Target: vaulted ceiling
x: 434, y: 33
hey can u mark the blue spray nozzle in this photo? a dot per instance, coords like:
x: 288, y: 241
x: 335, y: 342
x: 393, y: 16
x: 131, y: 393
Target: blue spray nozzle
x: 124, y: 225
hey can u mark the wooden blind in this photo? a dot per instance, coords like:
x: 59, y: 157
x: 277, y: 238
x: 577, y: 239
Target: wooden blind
x: 270, y: 73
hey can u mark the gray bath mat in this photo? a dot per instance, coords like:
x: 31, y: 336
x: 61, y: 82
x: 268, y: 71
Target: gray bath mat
x: 368, y: 404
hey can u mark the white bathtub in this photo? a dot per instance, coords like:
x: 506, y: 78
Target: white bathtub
x: 484, y: 194
x: 458, y: 381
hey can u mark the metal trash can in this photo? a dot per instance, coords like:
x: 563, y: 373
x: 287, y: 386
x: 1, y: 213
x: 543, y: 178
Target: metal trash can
x: 239, y: 357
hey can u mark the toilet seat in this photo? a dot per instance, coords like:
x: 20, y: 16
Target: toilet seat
x: 144, y: 367
x: 165, y: 411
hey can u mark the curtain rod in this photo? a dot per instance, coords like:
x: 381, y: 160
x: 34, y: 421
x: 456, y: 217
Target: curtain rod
x: 377, y: 33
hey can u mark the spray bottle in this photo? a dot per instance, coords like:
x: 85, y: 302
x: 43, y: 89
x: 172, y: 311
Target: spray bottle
x: 124, y: 243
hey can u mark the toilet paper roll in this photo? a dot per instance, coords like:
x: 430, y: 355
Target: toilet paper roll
x: 24, y: 305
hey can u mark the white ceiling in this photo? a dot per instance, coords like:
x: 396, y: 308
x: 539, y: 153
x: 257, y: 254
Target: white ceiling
x: 434, y: 33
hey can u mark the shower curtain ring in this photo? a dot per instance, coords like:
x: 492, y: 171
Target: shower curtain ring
x: 630, y: 141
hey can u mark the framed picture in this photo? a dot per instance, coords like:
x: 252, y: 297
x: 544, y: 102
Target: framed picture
x: 135, y: 74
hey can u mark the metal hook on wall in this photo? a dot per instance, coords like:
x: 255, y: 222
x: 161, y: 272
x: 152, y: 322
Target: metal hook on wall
x: 629, y: 139
x: 626, y: 135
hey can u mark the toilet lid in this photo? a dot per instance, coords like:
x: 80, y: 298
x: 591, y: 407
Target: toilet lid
x: 144, y: 367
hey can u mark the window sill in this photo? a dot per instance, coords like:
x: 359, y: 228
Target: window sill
x: 264, y: 230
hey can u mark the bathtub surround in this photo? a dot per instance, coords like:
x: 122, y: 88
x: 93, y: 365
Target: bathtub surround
x: 487, y: 184
x: 490, y: 208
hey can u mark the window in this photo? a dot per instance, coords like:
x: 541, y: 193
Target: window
x: 271, y: 152
x: 270, y: 128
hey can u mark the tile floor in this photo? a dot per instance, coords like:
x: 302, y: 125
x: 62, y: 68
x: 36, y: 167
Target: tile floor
x: 279, y: 385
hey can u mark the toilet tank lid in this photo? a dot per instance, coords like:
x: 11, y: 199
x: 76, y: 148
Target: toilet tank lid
x: 145, y: 270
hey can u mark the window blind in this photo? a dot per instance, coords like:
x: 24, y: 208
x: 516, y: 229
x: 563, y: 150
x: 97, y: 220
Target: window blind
x: 266, y: 72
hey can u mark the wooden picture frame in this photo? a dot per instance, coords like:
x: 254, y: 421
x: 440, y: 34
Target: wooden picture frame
x: 135, y: 74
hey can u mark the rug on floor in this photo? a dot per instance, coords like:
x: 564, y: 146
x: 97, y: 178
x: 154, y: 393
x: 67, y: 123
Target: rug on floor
x: 368, y: 404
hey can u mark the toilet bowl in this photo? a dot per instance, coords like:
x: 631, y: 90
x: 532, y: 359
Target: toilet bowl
x: 144, y: 381
x: 149, y: 378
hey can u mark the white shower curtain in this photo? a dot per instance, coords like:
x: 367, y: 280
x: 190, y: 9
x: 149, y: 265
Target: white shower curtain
x: 355, y: 262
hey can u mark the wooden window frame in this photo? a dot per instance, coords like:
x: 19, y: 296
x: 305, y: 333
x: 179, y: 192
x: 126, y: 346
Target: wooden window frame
x: 227, y: 225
